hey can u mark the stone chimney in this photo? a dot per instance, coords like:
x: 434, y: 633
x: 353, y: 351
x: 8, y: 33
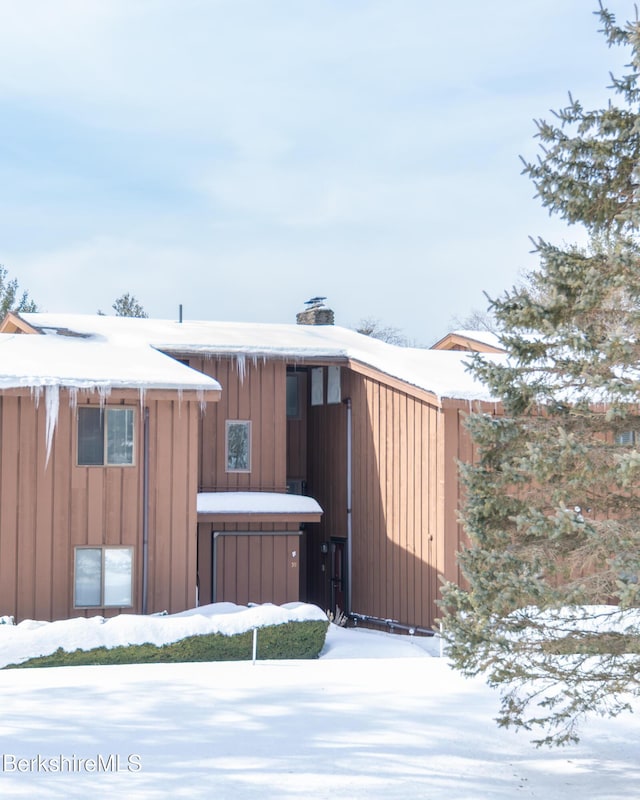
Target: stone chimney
x: 316, y: 313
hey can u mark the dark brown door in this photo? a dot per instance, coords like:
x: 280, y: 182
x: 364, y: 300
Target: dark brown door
x: 338, y: 574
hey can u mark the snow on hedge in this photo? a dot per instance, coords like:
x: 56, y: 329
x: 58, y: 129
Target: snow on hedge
x: 31, y: 638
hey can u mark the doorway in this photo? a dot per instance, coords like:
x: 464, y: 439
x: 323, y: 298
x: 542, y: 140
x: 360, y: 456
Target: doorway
x: 338, y: 550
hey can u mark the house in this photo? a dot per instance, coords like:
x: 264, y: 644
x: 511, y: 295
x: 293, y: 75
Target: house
x: 149, y: 465
x: 470, y: 341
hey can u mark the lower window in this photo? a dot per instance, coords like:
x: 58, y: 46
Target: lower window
x: 103, y: 576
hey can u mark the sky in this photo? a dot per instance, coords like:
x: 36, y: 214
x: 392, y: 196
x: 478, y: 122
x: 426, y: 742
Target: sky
x: 241, y: 156
x: 378, y: 715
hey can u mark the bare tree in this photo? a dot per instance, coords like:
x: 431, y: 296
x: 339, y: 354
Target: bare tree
x: 476, y: 320
x: 370, y: 326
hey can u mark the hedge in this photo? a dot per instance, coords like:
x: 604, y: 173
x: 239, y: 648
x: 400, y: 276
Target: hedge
x: 285, y: 641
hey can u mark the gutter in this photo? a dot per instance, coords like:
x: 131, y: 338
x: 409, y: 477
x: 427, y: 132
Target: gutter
x: 393, y: 624
x: 349, y: 506
x: 145, y: 510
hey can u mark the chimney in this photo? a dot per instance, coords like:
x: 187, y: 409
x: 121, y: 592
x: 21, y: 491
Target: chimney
x: 316, y: 313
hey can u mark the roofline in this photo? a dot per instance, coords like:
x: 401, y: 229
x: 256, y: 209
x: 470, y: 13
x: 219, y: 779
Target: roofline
x: 13, y: 323
x: 275, y: 517
x: 228, y: 351
x: 455, y: 340
x: 123, y: 392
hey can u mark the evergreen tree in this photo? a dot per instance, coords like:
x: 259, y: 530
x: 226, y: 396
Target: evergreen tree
x: 550, y: 608
x: 10, y: 298
x: 127, y: 306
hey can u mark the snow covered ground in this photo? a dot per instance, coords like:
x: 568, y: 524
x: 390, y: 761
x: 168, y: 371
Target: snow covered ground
x: 377, y: 716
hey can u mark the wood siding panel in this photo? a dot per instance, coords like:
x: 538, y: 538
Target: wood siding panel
x: 46, y: 509
x: 257, y: 568
x: 450, y: 534
x: 9, y: 506
x: 60, y: 532
x: 259, y: 397
x: 397, y: 498
x: 27, y: 502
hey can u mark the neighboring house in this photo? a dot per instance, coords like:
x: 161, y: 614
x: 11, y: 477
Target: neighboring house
x: 473, y: 341
x: 149, y: 465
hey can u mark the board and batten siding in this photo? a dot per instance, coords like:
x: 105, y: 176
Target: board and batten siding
x: 400, y: 477
x: 46, y: 510
x: 255, y: 562
x: 251, y: 390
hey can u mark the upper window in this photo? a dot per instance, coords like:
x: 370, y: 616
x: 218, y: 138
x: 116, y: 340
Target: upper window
x: 317, y: 386
x: 103, y: 577
x: 105, y: 436
x: 334, y: 394
x: 293, y: 396
x: 238, y: 445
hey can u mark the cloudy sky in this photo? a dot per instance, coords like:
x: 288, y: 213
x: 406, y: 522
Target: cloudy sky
x: 241, y: 156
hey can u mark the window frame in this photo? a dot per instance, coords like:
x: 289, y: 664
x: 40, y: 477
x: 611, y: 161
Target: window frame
x: 104, y: 412
x: 229, y: 423
x: 103, y: 549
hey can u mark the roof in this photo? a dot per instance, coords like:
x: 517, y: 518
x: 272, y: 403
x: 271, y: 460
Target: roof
x: 442, y: 373
x: 93, y: 364
x: 472, y: 341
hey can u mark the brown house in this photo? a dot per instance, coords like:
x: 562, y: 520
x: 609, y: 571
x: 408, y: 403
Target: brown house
x: 149, y: 465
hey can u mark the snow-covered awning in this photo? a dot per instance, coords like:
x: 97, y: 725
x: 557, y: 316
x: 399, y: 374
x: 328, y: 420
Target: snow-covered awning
x: 257, y: 507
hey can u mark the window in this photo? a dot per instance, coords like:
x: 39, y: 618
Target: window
x: 293, y: 396
x: 334, y: 395
x: 238, y: 446
x: 105, y: 436
x: 627, y: 437
x: 103, y: 577
x: 317, y: 386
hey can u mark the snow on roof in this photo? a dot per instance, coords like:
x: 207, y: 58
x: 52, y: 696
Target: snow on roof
x: 444, y: 373
x: 92, y: 363
x: 256, y: 503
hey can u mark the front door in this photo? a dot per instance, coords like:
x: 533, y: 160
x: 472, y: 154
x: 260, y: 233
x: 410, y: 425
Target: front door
x: 338, y: 574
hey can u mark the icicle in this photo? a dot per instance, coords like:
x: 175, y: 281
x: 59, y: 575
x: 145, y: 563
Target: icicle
x: 179, y: 402
x: 141, y: 395
x: 73, y: 397
x: 104, y: 392
x: 52, y: 404
x: 36, y: 394
x: 241, y: 366
x: 202, y: 401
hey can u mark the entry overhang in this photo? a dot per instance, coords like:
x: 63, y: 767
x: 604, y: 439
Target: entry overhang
x: 271, y: 507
